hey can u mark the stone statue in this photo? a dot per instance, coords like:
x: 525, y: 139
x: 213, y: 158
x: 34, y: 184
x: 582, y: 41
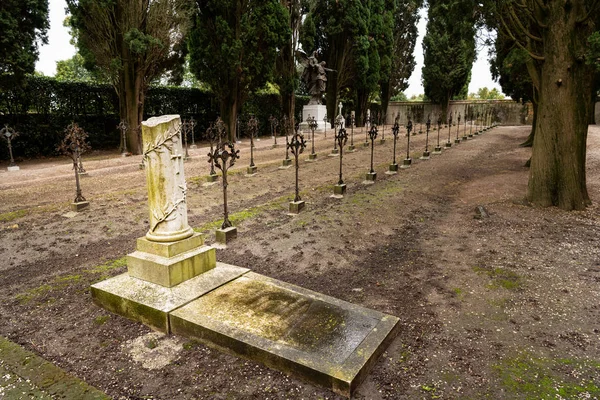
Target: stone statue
x: 314, y: 75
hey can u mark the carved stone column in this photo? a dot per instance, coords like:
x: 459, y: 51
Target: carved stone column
x: 165, y: 178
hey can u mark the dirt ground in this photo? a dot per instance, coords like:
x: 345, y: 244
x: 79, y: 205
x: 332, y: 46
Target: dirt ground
x: 500, y: 307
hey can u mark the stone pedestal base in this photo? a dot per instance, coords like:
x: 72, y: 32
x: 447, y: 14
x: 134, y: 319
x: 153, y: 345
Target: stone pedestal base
x: 193, y: 146
x: 366, y: 144
x: 82, y: 174
x: 456, y: 141
x: 170, y: 263
x: 425, y: 156
x: 226, y: 235
x: 286, y: 162
x: 339, y: 189
x: 251, y: 170
x: 470, y: 136
x: 371, y: 176
x: 335, y: 152
x: 13, y: 168
x: 275, y: 146
x: 393, y: 167
x: 437, y: 150
x: 296, y: 206
x: 351, y: 148
x: 312, y: 157
x: 448, y: 145
x: 80, y: 206
x: 464, y: 138
x: 318, y: 111
x: 406, y: 163
x: 142, y: 165
x: 381, y: 141
x: 212, y: 178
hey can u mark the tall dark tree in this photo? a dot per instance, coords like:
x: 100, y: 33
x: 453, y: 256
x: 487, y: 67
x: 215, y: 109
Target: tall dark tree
x: 555, y: 35
x: 406, y: 17
x: 509, y: 66
x: 287, y: 74
x: 131, y: 43
x: 23, y: 25
x: 449, y: 49
x: 338, y: 30
x: 233, y: 48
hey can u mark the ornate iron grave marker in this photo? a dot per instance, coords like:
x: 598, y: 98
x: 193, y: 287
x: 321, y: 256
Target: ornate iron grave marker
x: 438, y: 148
x: 297, y: 146
x: 342, y: 138
x: 123, y: 127
x: 408, y: 161
x: 367, y: 128
x: 393, y: 168
x: 9, y: 134
x: 274, y: 124
x: 192, y: 125
x: 211, y: 134
x: 372, y: 175
x: 72, y: 146
x: 313, y: 125
x: 252, y: 128
x: 185, y: 130
x: 223, y: 157
x: 325, y: 124
x: 352, y: 148
x: 449, y: 144
x: 339, y: 124
x: 287, y: 127
x: 426, y: 153
x: 457, y: 140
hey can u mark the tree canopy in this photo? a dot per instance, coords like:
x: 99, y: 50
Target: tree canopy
x: 449, y: 49
x: 131, y: 43
x: 23, y: 25
x: 233, y: 48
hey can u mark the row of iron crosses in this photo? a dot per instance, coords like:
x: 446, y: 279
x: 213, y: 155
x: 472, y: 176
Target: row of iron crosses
x: 223, y: 154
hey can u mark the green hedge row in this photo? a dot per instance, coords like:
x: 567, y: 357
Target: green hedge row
x: 43, y: 107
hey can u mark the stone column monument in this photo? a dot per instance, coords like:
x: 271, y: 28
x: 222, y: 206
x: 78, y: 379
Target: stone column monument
x: 165, y: 179
x: 171, y: 252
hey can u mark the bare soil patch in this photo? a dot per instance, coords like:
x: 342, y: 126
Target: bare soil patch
x: 500, y: 307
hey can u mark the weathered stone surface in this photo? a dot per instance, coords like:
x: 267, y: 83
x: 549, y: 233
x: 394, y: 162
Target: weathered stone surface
x: 170, y: 249
x: 251, y: 170
x: 212, y: 178
x: 13, y: 168
x: 165, y: 178
x: 312, y: 157
x: 393, y: 167
x: 296, y: 206
x: 339, y: 189
x: 170, y: 271
x: 371, y: 176
x: 406, y: 163
x: 226, y: 235
x: 150, y: 303
x: 324, y: 340
x: 81, y: 205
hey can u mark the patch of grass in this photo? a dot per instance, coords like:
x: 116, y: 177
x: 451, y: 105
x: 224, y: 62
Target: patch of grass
x: 108, y: 266
x: 33, y: 293
x: 501, y: 277
x: 458, y: 292
x: 101, y: 319
x: 540, y: 378
x: 151, y: 343
x: 12, y: 215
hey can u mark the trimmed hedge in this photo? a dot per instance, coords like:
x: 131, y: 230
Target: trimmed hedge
x: 43, y: 107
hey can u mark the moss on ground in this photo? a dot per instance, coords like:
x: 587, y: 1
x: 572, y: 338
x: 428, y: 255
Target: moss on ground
x: 529, y: 377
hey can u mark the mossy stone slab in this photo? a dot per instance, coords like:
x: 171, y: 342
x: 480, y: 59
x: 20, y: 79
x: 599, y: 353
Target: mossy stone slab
x: 151, y: 303
x: 323, y: 340
x: 169, y: 249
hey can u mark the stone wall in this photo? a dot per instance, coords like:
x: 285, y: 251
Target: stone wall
x: 597, y: 113
x: 506, y: 112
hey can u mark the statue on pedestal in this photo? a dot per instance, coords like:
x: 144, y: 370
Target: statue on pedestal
x: 314, y: 75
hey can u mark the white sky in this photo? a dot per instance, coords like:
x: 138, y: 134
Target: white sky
x: 59, y: 48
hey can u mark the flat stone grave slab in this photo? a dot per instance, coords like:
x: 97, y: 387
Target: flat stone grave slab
x: 323, y: 340
x: 150, y: 303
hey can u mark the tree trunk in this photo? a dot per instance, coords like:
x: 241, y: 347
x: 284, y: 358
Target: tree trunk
x: 557, y: 174
x: 362, y: 98
x: 229, y: 110
x: 529, y: 141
